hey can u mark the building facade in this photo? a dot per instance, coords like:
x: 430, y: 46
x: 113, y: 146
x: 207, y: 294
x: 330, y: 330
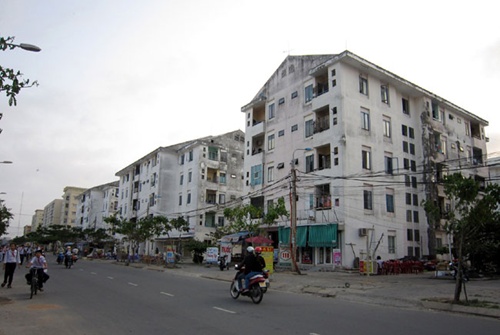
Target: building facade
x: 95, y: 204
x: 367, y: 147
x: 52, y: 213
x: 69, y: 205
x: 37, y: 219
x: 193, y: 180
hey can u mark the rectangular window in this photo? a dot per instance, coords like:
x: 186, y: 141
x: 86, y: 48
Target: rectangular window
x: 413, y: 166
x: 294, y: 95
x: 270, y: 142
x: 256, y: 178
x: 414, y: 182
x: 405, y: 106
x: 467, y: 129
x: 415, y: 217
x: 387, y: 127
x: 310, y: 163
x: 270, y: 173
x: 309, y: 128
x: 309, y: 93
x: 188, y: 200
x: 281, y: 101
x: 409, y: 234
x: 415, y: 200
x: 406, y: 163
x: 281, y: 133
x: 222, y: 198
x: 182, y: 180
x: 388, y: 164
x: 408, y: 215
x: 366, y: 159
x: 180, y: 200
x: 405, y: 146
x: 220, y: 221
x: 407, y: 181
x: 404, y: 130
x: 365, y: 120
x: 213, y: 153
x: 271, y: 111
x: 389, y: 201
x: 367, y: 199
x: 411, y: 132
x: 416, y: 235
x: 190, y: 176
x: 412, y: 148
x: 384, y: 94
x: 295, y: 128
x: 363, y: 85
x: 408, y: 198
x: 222, y: 178
x: 391, y: 244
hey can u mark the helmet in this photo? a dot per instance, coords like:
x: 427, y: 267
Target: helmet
x: 250, y: 249
x: 258, y: 250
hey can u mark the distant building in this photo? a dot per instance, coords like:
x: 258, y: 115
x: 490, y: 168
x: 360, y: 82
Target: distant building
x: 69, y: 206
x: 95, y: 204
x: 52, y: 213
x: 193, y: 180
x: 368, y: 147
x: 37, y: 219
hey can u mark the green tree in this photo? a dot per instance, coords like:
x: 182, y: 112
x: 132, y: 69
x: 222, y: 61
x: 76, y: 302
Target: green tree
x: 474, y: 222
x: 11, y: 81
x: 275, y: 211
x: 182, y: 226
x: 5, y: 217
x: 242, y: 218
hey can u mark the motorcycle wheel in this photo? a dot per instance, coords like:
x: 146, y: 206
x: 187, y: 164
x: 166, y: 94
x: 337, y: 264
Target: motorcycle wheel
x: 256, y: 294
x: 235, y: 293
x: 221, y: 267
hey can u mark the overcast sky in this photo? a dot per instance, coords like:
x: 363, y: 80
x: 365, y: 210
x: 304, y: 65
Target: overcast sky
x: 120, y: 78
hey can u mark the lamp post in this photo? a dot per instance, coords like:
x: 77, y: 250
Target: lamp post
x: 6, y: 162
x: 293, y: 214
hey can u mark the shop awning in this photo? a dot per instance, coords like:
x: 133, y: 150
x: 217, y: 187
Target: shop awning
x: 284, y: 235
x: 323, y: 235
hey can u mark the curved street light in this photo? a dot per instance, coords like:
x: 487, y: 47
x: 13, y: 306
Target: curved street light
x: 6, y: 162
x: 24, y: 46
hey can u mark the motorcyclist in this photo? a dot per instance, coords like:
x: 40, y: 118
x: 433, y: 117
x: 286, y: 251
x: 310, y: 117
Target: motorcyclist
x: 252, y: 267
x: 39, y: 264
x: 68, y: 256
x: 258, y: 252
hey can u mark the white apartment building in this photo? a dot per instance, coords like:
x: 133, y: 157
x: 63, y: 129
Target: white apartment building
x: 193, y: 180
x: 368, y: 148
x: 52, y: 213
x: 69, y: 206
x: 96, y: 204
x: 37, y: 219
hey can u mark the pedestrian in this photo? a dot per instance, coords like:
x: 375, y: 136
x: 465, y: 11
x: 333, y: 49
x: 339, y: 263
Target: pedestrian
x: 11, y: 259
x: 21, y: 253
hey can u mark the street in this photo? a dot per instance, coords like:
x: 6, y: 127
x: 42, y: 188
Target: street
x: 104, y: 298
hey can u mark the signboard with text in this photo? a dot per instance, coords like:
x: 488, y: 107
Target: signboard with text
x: 285, y: 256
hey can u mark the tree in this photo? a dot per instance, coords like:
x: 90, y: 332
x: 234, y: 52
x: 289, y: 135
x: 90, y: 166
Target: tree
x: 182, y: 226
x: 242, y: 218
x: 5, y: 217
x: 275, y: 211
x: 11, y: 81
x: 475, y: 221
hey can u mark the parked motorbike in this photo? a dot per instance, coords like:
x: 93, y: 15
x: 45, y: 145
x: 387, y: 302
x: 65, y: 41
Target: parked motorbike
x: 255, y: 290
x: 223, y: 263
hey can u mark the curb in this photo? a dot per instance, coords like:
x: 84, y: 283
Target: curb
x: 448, y: 307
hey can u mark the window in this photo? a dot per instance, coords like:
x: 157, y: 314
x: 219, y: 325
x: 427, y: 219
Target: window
x: 281, y: 101
x: 407, y: 181
x: 388, y: 163
x: 415, y: 216
x: 405, y: 146
x: 309, y: 93
x: 295, y: 128
x: 415, y: 200
x: 391, y: 244
x: 411, y: 132
x: 271, y: 111
x: 256, y: 178
x: 213, y: 153
x: 416, y: 234
x: 281, y: 133
x: 413, y: 165
x: 270, y: 142
x: 220, y: 221
x: 368, y: 199
x: 190, y: 176
x: 408, y: 215
x: 409, y: 234
x: 222, y: 178
x: 182, y: 180
x: 366, y: 158
x: 414, y: 182
x: 412, y: 148
x: 365, y: 120
x: 408, y: 198
x: 404, y: 130
x: 363, y: 85
x: 405, y: 106
x: 389, y: 201
x: 191, y: 156
x: 222, y: 198
x: 310, y: 163
x: 406, y: 164
x: 182, y: 161
x: 309, y: 128
x: 384, y: 94
x: 270, y: 174
x: 387, y: 127
x: 294, y: 95
x: 467, y: 128
x: 188, y: 200
x: 180, y: 200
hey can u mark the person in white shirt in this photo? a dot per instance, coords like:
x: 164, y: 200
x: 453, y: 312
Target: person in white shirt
x: 39, y: 263
x: 10, y: 260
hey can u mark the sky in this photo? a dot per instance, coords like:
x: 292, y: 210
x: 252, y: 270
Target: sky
x: 120, y: 78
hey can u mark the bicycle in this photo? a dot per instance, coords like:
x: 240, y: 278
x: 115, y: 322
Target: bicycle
x: 34, y: 282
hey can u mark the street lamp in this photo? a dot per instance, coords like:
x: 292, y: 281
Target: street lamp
x: 24, y: 46
x: 293, y: 214
x: 6, y: 162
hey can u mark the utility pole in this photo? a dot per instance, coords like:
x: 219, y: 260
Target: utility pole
x: 293, y: 220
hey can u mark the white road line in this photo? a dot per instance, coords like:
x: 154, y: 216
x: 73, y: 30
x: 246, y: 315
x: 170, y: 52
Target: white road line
x: 165, y: 293
x: 93, y: 273
x: 313, y: 334
x: 111, y: 278
x: 224, y: 310
x: 133, y: 284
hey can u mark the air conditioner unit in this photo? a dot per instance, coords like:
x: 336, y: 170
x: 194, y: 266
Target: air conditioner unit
x: 363, y: 231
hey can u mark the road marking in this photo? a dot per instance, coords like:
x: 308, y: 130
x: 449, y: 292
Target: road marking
x: 133, y: 284
x: 93, y: 273
x: 313, y: 334
x: 165, y: 293
x: 224, y: 310
x: 111, y: 278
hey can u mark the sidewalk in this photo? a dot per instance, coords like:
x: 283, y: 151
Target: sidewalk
x: 401, y: 291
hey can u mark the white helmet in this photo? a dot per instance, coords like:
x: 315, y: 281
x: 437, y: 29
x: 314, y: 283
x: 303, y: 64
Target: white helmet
x: 250, y: 249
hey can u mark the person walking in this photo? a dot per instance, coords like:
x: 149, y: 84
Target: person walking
x: 11, y: 259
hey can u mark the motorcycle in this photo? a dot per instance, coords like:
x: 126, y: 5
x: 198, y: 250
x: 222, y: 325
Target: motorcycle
x: 256, y: 289
x: 68, y: 261
x: 222, y: 263
x: 60, y: 258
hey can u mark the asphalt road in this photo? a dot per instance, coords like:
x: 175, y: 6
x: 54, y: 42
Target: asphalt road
x: 102, y: 298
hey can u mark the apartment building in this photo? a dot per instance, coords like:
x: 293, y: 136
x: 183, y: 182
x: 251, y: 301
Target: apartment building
x: 95, y: 204
x: 69, y: 205
x: 367, y: 147
x: 193, y: 180
x: 52, y: 213
x: 37, y: 219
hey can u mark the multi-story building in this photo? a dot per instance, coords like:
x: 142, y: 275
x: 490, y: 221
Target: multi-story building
x: 367, y: 147
x: 96, y: 204
x: 52, y: 213
x: 37, y: 219
x: 70, y: 203
x: 190, y: 180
